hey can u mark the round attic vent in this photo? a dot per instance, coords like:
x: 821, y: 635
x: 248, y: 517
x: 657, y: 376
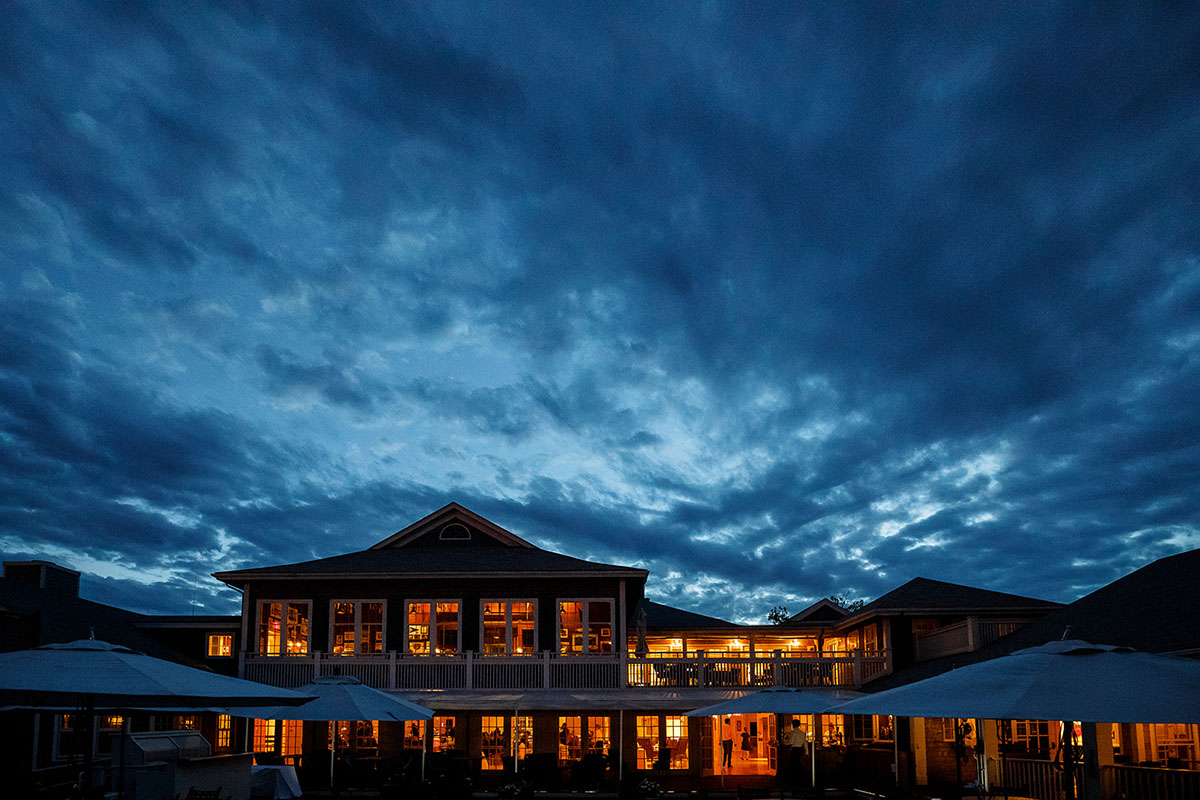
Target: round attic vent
x: 455, y: 532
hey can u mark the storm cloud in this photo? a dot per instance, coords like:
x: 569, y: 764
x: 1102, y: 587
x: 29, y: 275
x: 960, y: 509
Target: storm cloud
x: 776, y: 302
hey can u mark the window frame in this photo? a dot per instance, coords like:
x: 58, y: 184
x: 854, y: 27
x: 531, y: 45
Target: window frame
x: 508, y: 626
x: 433, y: 604
x: 583, y: 621
x: 284, y: 605
x: 358, y: 603
x: 209, y: 636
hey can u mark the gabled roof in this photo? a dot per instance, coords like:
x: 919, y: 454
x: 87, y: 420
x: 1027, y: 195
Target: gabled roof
x: 424, y: 549
x: 1155, y: 609
x: 659, y: 616
x: 926, y: 596
x: 824, y: 610
x: 447, y: 516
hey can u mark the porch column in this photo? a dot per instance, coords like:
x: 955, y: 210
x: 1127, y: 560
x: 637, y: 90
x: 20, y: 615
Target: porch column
x: 917, y: 734
x: 1097, y: 754
x: 989, y: 730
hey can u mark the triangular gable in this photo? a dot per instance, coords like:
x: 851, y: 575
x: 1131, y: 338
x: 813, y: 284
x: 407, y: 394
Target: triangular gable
x: 452, y: 524
x: 823, y: 610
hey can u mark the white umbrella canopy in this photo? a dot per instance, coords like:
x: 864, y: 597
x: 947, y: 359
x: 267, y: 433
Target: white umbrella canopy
x: 1064, y: 680
x: 340, y: 698
x: 92, y: 674
x: 780, y: 700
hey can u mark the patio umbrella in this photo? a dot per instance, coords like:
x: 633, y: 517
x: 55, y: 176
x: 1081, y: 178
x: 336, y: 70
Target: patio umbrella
x: 341, y: 698
x: 782, y: 700
x: 1063, y: 680
x: 89, y: 674
x: 93, y: 674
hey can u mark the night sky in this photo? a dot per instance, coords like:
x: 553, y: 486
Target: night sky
x: 776, y: 301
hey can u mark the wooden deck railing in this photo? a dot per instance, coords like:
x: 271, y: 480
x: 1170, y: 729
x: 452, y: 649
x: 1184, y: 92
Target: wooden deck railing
x: 1043, y: 780
x: 963, y: 637
x: 548, y: 670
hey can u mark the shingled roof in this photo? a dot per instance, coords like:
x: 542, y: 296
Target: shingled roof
x: 1155, y: 609
x: 411, y: 562
x: 478, y: 547
x: 924, y: 595
x: 659, y: 616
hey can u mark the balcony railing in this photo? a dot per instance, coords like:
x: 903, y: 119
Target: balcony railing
x: 963, y: 637
x: 548, y: 670
x: 1043, y: 780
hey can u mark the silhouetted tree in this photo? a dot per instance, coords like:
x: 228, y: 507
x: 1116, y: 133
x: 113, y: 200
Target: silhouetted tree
x: 777, y: 615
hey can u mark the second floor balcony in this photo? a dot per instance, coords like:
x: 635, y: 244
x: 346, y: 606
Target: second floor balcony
x: 547, y: 670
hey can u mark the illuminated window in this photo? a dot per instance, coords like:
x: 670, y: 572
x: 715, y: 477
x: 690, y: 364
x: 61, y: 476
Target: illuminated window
x: 69, y: 739
x: 493, y: 743
x: 523, y: 733
x: 833, y: 731
x: 677, y: 741
x: 444, y: 735
x: 357, y: 627
x: 570, y: 739
x: 186, y: 722
x: 264, y: 736
x: 598, y: 735
x: 647, y: 742
x: 509, y: 627
x: 1175, y: 741
x: 444, y: 628
x: 1031, y: 735
x: 224, y: 730
x: 283, y: 628
x: 870, y: 639
x: 577, y: 617
x: 414, y: 735
x: 220, y: 645
x: 108, y: 730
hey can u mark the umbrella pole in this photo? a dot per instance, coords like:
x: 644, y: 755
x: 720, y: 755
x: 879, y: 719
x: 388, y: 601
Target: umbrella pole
x: 333, y: 736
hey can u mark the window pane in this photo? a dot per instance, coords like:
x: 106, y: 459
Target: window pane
x: 570, y: 746
x: 494, y: 628
x: 371, y: 620
x: 598, y: 735
x: 677, y: 742
x: 523, y: 733
x: 447, y: 628
x: 220, y: 644
x: 647, y: 742
x: 414, y: 735
x: 297, y: 633
x: 570, y: 627
x: 270, y: 628
x: 600, y: 627
x: 418, y: 628
x: 522, y: 627
x: 493, y: 747
x: 343, y: 628
x: 444, y: 734
x: 224, y: 730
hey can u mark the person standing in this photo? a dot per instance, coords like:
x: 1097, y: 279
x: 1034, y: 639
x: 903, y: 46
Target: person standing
x: 727, y: 743
x: 797, y: 742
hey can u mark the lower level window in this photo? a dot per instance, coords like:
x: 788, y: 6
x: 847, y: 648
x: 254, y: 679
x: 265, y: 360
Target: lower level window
x: 647, y: 742
x: 445, y: 736
x: 414, y: 735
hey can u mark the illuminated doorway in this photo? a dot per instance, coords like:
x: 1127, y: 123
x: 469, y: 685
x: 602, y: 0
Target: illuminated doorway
x: 751, y: 741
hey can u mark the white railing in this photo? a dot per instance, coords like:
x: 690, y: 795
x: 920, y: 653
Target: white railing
x: 963, y: 637
x: 548, y: 670
x: 1149, y: 783
x: 1035, y: 778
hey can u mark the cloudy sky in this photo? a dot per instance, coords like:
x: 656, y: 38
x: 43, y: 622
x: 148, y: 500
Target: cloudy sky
x: 775, y: 301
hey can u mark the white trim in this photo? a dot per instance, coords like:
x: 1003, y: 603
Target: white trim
x: 583, y: 618
x: 432, y: 623
x: 508, y: 625
x: 308, y: 649
x: 357, y: 603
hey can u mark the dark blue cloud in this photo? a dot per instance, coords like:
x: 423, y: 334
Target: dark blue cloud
x: 779, y: 302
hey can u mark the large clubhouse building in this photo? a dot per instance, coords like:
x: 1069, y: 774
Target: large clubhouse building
x: 561, y: 671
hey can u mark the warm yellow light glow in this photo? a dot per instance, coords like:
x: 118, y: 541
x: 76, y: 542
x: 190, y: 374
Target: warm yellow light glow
x: 795, y: 642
